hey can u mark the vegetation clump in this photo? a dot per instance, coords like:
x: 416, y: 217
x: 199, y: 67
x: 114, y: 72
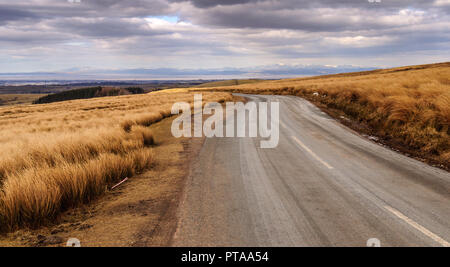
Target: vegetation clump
x: 89, y: 92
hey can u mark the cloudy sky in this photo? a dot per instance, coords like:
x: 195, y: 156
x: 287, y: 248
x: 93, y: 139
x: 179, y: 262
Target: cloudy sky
x: 65, y: 35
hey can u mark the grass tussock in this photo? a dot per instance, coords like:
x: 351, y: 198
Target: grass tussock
x: 408, y: 106
x: 37, y: 195
x: 57, y: 156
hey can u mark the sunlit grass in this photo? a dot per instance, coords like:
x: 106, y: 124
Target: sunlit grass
x: 56, y: 156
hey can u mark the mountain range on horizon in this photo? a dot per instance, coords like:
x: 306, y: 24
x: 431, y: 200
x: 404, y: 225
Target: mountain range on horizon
x: 265, y: 72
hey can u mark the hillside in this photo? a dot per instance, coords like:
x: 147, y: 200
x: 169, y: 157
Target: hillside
x: 227, y: 83
x: 18, y: 99
x: 90, y: 92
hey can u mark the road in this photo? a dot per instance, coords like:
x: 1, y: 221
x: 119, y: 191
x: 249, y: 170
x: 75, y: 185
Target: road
x: 324, y: 185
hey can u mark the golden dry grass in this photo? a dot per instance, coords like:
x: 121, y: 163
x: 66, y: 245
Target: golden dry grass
x: 140, y: 212
x: 59, y: 155
x: 409, y: 106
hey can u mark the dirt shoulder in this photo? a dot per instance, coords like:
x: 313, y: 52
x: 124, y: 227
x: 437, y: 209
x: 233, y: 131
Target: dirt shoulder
x: 140, y: 212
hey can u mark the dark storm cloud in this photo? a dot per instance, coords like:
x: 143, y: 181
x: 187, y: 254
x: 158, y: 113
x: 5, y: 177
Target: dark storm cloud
x: 14, y: 14
x: 128, y: 8
x: 212, y: 3
x: 304, y: 4
x: 322, y: 15
x: 104, y: 27
x: 276, y: 20
x: 53, y: 9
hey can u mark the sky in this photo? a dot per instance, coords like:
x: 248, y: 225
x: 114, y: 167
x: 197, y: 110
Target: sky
x: 91, y: 35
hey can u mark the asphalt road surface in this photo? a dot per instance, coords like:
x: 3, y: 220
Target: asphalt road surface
x: 324, y: 185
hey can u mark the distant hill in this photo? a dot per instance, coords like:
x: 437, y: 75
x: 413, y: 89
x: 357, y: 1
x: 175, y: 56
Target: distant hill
x: 228, y: 83
x: 90, y: 92
x: 18, y: 99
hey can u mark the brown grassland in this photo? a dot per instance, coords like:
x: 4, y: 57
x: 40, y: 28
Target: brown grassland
x: 57, y: 156
x: 17, y: 99
x: 407, y: 107
x: 140, y: 212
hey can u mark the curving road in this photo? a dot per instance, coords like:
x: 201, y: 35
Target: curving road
x: 324, y: 185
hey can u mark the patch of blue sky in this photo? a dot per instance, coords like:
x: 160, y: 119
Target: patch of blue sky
x: 171, y: 19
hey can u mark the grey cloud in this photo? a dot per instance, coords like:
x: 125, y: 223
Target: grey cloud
x: 31, y: 38
x: 128, y: 8
x: 304, y: 4
x: 213, y: 3
x: 90, y: 18
x: 104, y: 27
x: 53, y: 9
x: 322, y: 15
x: 13, y: 14
x: 287, y: 14
x: 273, y: 20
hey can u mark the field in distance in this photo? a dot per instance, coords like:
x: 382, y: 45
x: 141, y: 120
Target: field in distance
x: 228, y: 83
x: 18, y: 99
